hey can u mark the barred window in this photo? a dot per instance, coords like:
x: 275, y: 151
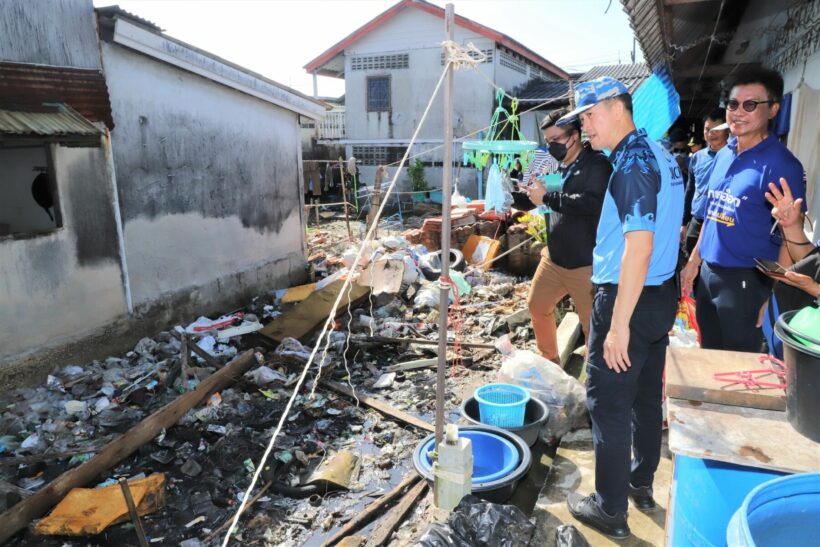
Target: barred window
x: 380, y: 62
x: 487, y: 52
x: 378, y: 93
x: 378, y: 155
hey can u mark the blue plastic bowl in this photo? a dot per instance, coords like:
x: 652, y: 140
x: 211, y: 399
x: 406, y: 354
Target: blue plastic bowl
x: 502, y: 405
x: 494, y: 457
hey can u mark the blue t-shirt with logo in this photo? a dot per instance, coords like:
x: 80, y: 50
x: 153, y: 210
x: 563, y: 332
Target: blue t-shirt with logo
x: 701, y: 168
x: 738, y: 222
x: 645, y: 193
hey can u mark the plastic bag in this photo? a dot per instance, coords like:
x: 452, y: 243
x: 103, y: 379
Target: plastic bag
x: 568, y: 535
x: 498, y: 196
x: 478, y: 523
x: 563, y: 394
x: 686, y: 318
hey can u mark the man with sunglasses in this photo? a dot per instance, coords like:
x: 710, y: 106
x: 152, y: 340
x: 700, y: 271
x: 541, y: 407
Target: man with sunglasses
x: 566, y: 262
x: 738, y: 226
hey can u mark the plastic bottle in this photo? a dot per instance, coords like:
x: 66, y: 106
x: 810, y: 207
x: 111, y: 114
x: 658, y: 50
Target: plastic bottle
x: 453, y: 470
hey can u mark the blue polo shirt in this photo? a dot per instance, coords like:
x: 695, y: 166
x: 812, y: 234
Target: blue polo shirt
x: 701, y: 168
x: 645, y: 193
x: 738, y: 220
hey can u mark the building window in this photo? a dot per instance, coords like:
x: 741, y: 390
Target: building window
x: 378, y: 93
x: 378, y: 155
x: 488, y: 53
x: 28, y: 193
x: 513, y: 62
x: 380, y: 62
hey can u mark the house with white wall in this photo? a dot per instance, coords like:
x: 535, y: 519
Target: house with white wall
x: 390, y: 67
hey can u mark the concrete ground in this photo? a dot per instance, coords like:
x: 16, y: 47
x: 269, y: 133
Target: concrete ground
x: 573, y: 469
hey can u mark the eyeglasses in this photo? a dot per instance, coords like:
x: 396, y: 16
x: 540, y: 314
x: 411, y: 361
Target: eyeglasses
x: 748, y: 106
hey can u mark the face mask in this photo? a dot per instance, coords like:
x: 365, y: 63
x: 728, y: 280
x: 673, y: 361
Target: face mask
x: 558, y: 150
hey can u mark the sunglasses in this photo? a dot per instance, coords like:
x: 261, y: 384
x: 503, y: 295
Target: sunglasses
x: 748, y: 106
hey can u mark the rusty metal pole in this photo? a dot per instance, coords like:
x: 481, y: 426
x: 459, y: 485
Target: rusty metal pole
x: 132, y: 509
x: 446, y: 182
x: 344, y: 197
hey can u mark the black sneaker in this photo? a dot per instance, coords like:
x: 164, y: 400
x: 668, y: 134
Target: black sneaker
x: 588, y: 510
x: 642, y: 497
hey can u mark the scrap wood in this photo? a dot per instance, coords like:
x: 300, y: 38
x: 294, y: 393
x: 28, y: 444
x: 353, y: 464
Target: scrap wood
x: 227, y: 523
x: 36, y: 458
x: 386, y: 526
x: 18, y: 517
x: 207, y: 357
x: 382, y: 407
x: 309, y: 314
x: 363, y: 518
x: 9, y: 488
x: 419, y: 341
x: 87, y: 511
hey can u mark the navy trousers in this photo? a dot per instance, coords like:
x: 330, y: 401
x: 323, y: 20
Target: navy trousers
x: 626, y: 407
x: 728, y: 302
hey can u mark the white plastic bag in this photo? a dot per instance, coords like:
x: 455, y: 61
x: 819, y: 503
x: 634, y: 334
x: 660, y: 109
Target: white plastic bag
x: 498, y: 195
x: 563, y: 394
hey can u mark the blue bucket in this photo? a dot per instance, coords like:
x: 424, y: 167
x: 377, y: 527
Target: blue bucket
x: 494, y: 457
x: 784, y: 511
x: 502, y: 405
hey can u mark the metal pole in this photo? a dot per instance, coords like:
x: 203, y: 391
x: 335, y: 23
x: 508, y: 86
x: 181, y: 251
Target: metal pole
x: 446, y: 182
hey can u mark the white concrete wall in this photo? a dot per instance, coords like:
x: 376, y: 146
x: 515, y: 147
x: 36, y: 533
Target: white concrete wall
x: 209, y: 182
x: 17, y: 206
x: 61, y: 285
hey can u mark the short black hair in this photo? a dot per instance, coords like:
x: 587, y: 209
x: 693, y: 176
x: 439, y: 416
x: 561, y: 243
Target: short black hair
x: 768, y: 78
x: 717, y: 114
x: 553, y: 117
x: 626, y: 100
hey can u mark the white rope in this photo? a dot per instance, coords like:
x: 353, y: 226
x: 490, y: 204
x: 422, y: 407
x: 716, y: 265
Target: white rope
x: 328, y: 322
x: 463, y: 57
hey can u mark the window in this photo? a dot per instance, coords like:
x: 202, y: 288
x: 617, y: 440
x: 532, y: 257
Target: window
x: 378, y: 93
x: 380, y: 62
x: 513, y: 61
x: 378, y: 155
x: 487, y: 52
x: 28, y: 196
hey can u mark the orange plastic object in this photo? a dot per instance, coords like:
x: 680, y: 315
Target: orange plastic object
x: 480, y: 250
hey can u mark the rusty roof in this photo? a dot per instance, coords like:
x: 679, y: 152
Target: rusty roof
x: 27, y: 86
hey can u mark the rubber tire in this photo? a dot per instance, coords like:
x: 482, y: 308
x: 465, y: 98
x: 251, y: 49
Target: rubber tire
x: 429, y: 264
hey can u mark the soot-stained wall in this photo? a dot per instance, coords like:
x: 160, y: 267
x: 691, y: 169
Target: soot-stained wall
x: 208, y: 182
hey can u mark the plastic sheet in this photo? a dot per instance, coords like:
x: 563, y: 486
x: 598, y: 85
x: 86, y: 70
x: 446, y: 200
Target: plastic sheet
x: 477, y: 523
x: 568, y: 535
x: 498, y: 196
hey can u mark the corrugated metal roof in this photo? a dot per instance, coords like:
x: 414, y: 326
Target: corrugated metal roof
x: 537, y: 90
x: 50, y: 120
x: 631, y: 75
x: 27, y: 86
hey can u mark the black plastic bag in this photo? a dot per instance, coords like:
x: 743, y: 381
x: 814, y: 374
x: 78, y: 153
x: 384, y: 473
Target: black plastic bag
x: 568, y: 535
x: 477, y: 523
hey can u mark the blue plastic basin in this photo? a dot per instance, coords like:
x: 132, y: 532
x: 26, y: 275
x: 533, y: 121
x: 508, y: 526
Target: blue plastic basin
x: 784, y: 511
x: 494, y: 457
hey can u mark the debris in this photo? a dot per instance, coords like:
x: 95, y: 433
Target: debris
x: 384, y: 408
x: 77, y: 408
x: 338, y: 470
x: 479, y: 251
x: 87, y: 511
x: 132, y: 512
x: 263, y: 376
x: 203, y: 324
x: 387, y: 525
x: 568, y: 535
x: 477, y: 523
x: 385, y: 380
x: 191, y: 468
x: 298, y: 293
x: 412, y: 365
x: 383, y: 276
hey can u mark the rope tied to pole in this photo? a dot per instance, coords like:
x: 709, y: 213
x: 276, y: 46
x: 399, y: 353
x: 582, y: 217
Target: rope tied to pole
x: 463, y: 57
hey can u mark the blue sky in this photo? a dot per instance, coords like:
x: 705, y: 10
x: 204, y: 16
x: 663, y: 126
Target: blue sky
x: 278, y: 37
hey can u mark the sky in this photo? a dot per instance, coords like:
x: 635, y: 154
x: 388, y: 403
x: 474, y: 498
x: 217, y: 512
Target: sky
x: 276, y: 38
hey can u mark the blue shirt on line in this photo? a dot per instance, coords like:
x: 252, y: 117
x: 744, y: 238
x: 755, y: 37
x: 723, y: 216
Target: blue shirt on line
x: 738, y: 219
x: 645, y: 193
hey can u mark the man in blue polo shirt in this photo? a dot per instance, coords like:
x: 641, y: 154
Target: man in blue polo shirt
x: 738, y: 226
x: 634, y: 304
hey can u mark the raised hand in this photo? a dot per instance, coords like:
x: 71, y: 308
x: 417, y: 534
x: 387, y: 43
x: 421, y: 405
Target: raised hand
x: 785, y: 209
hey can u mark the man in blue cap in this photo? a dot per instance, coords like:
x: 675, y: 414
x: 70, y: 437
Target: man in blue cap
x: 635, y: 300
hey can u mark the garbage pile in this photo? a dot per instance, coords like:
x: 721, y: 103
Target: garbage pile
x: 333, y: 457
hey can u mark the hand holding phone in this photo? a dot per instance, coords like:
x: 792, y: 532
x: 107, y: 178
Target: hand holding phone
x: 770, y: 267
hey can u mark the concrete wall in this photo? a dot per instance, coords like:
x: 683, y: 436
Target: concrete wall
x: 67, y: 283
x: 209, y: 187
x: 17, y: 206
x: 28, y: 32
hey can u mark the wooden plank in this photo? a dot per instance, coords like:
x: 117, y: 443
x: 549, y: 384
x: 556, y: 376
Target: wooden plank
x: 412, y: 365
x: 18, y: 517
x: 9, y: 488
x: 48, y: 457
x: 363, y: 518
x: 298, y: 293
x: 381, y: 406
x: 743, y: 436
x: 306, y: 316
x: 385, y: 527
x: 568, y: 332
x: 207, y: 357
x: 690, y: 375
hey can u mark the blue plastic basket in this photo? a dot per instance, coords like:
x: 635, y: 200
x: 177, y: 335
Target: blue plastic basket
x: 502, y: 405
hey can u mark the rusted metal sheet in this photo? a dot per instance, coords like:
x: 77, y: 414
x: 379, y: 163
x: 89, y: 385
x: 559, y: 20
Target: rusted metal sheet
x: 50, y: 120
x: 27, y: 86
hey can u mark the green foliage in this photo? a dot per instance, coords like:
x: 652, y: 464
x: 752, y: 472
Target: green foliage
x: 416, y: 173
x: 536, y: 227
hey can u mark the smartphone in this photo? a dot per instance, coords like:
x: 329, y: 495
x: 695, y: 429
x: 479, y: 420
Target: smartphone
x: 770, y: 267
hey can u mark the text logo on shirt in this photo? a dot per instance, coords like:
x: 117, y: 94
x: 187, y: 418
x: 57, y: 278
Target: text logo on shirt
x: 723, y: 206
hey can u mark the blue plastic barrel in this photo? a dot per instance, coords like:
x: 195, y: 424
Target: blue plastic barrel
x: 705, y: 495
x: 784, y: 511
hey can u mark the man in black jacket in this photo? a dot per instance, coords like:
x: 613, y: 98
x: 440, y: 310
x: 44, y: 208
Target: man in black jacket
x: 566, y: 263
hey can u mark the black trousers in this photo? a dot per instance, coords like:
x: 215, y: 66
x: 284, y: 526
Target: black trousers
x: 728, y: 302
x: 626, y: 407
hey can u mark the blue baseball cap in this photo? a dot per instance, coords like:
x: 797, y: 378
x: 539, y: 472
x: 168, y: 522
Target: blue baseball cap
x: 590, y: 93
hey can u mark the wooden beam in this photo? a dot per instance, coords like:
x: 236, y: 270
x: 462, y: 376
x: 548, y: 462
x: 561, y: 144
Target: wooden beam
x: 385, y: 527
x: 363, y: 518
x: 207, y: 357
x: 384, y: 408
x: 18, y: 517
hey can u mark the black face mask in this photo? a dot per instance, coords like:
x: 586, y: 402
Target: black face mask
x: 558, y: 150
